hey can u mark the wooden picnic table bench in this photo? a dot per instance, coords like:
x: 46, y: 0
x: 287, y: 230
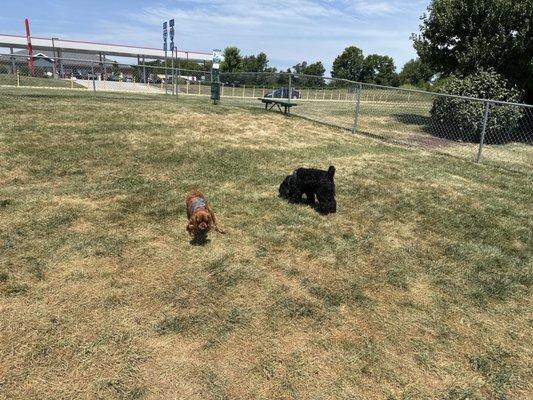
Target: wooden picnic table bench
x: 270, y: 103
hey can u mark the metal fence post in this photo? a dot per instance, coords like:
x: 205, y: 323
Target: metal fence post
x: 357, y: 108
x: 179, y: 72
x: 13, y: 65
x: 483, y: 131
x: 290, y: 84
x: 93, y: 77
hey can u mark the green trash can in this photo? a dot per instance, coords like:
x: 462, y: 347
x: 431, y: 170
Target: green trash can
x: 215, y: 92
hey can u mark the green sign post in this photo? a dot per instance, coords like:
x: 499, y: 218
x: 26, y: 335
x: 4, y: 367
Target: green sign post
x: 215, y: 76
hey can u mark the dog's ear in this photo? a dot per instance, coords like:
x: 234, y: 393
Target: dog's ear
x: 331, y: 172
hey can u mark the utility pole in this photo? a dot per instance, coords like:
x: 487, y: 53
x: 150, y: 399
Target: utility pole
x: 165, y: 33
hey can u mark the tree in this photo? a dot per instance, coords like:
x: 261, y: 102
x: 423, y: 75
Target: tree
x: 416, y: 73
x: 115, y: 69
x: 316, y: 69
x: 463, y: 119
x: 349, y: 64
x: 461, y: 37
x: 262, y: 62
x: 249, y: 64
x: 300, y: 68
x: 233, y: 61
x: 379, y: 70
x: 255, y: 63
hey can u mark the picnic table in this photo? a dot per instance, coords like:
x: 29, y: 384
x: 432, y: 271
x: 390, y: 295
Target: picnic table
x: 270, y: 103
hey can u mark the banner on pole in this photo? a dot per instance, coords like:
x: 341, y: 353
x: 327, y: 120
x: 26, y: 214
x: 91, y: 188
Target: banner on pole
x: 217, y: 58
x: 171, y: 24
x: 165, y: 34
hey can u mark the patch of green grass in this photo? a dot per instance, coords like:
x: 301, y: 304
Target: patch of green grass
x: 497, y: 367
x: 460, y: 394
x: 351, y: 293
x: 215, y: 388
x: 15, y: 289
x: 6, y: 202
x: 293, y: 307
x: 177, y: 324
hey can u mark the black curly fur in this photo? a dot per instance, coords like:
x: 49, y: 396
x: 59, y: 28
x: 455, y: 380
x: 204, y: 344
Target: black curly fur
x: 311, y: 182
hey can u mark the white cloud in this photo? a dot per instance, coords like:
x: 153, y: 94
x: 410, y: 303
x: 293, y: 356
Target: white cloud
x: 375, y: 7
x: 383, y: 7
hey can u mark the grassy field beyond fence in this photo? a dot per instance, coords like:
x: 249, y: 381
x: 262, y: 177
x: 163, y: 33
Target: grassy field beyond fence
x: 419, y: 287
x: 37, y: 82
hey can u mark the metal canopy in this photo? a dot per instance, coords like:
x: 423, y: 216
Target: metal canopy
x: 39, y: 43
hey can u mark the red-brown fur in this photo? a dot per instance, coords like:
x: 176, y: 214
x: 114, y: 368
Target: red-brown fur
x: 203, y: 219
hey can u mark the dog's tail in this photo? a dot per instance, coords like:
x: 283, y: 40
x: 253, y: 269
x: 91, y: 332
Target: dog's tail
x: 331, y: 172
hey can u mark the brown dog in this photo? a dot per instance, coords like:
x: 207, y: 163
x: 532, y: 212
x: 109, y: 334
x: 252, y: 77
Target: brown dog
x: 200, y: 215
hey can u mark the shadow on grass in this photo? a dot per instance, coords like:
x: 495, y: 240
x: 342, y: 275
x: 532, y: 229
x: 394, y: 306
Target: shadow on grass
x: 306, y: 202
x: 446, y: 130
x: 200, y: 239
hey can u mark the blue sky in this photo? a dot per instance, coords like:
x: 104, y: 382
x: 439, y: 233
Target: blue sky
x: 289, y: 31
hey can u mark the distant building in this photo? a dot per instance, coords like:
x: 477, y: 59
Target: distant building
x: 70, y: 65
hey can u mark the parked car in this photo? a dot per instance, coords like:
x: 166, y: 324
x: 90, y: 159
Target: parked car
x: 283, y: 93
x: 154, y: 79
x: 113, y: 78
x: 232, y: 84
x: 80, y: 74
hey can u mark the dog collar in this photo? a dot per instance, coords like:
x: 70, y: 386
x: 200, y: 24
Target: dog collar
x: 198, y: 203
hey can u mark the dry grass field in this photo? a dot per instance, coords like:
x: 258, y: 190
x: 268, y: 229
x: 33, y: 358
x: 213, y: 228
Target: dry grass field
x: 418, y: 288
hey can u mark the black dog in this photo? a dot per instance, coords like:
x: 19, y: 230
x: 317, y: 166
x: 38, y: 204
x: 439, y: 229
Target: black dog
x: 311, y: 182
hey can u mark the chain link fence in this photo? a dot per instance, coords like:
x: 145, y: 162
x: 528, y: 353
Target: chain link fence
x: 487, y: 131
x: 100, y: 76
x: 478, y: 130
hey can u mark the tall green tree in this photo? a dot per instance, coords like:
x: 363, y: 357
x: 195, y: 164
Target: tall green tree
x: 249, y: 64
x: 300, y: 68
x: 349, y: 64
x: 315, y: 69
x: 262, y: 62
x: 462, y: 37
x: 379, y: 70
x: 416, y: 73
x: 233, y: 61
x: 258, y: 63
